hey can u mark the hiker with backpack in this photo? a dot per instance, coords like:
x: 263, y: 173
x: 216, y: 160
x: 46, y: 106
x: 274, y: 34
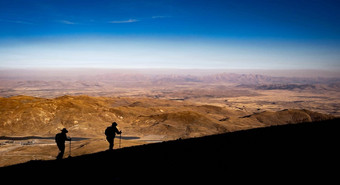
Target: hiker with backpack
x: 110, y: 133
x: 60, y: 139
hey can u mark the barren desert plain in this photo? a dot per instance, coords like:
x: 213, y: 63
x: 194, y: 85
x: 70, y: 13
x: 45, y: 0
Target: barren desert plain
x: 149, y: 106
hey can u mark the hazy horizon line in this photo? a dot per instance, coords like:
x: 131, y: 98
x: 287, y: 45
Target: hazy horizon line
x: 182, y: 71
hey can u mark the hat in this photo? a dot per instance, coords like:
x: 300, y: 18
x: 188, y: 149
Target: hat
x: 64, y: 130
x: 114, y: 124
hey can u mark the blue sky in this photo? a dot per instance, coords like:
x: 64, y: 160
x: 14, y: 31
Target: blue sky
x: 253, y: 34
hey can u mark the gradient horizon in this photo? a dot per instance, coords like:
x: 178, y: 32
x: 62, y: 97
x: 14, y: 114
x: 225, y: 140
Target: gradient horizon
x: 271, y: 35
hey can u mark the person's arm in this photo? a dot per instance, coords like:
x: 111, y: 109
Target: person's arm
x: 117, y: 131
x: 67, y: 138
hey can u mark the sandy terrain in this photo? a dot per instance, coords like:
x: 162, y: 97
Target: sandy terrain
x: 275, y: 100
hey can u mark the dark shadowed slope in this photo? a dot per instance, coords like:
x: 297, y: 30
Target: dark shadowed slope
x: 299, y: 153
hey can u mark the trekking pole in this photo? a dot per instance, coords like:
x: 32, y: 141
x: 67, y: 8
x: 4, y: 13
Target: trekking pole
x: 120, y: 139
x: 69, y: 152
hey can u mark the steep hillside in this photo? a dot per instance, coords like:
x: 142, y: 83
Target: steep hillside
x: 299, y: 153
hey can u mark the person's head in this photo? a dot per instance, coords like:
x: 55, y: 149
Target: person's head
x: 64, y: 130
x: 114, y: 124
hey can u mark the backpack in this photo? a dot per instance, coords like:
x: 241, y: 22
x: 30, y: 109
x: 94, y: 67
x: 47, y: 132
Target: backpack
x: 58, y: 138
x: 108, y: 131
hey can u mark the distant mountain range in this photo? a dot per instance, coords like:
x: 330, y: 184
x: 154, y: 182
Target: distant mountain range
x: 243, y: 79
x: 104, y: 83
x: 157, y: 85
x: 156, y: 77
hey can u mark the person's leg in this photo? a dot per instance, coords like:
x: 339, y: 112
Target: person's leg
x: 110, y: 140
x: 113, y: 143
x: 61, y: 151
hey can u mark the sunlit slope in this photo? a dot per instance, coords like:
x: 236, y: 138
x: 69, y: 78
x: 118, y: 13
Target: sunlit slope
x: 89, y: 116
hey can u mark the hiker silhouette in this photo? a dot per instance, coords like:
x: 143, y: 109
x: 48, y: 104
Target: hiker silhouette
x: 110, y: 133
x: 60, y: 139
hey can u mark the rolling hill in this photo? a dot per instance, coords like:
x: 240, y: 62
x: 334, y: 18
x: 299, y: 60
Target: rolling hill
x: 86, y: 116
